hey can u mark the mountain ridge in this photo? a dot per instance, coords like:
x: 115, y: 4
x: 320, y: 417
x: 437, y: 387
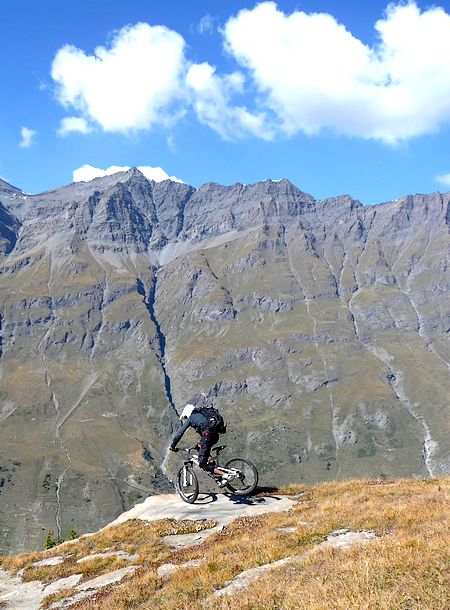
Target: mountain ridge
x: 196, y: 198
x: 319, y: 328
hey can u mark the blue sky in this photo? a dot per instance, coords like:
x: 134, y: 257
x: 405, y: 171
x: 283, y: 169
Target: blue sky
x: 338, y: 97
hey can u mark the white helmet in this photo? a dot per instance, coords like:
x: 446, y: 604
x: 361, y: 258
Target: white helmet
x: 187, y: 411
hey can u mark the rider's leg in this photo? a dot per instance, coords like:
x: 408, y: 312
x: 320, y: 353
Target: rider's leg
x: 207, y: 440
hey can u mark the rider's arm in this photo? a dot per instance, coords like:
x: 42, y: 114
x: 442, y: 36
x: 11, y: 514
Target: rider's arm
x: 179, y: 433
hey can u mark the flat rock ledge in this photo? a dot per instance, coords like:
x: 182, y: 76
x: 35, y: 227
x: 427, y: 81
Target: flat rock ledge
x: 220, y: 507
x: 18, y: 595
x: 50, y: 561
x: 165, y: 570
x: 119, y: 554
x: 338, y: 539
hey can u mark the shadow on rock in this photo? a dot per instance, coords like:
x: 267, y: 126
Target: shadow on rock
x: 248, y: 500
x: 266, y: 490
x: 206, y: 498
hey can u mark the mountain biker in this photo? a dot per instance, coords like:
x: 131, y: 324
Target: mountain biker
x: 191, y: 418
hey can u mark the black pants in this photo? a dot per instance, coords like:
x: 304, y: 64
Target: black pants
x: 207, y: 440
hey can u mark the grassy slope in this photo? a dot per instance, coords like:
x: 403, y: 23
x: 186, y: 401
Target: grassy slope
x: 70, y: 402
x: 405, y: 567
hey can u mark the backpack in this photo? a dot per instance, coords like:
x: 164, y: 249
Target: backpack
x: 216, y: 422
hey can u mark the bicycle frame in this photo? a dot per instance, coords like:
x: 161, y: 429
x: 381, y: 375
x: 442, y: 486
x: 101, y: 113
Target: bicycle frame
x: 193, y: 460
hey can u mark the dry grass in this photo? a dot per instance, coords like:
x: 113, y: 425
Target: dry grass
x: 134, y: 537
x: 89, y: 569
x: 405, y: 568
x: 56, y: 597
x: 393, y: 574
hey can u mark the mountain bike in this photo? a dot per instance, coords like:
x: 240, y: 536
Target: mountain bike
x: 240, y: 476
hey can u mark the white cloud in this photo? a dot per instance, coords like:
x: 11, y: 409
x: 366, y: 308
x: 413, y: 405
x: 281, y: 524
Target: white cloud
x: 298, y: 72
x: 211, y: 100
x: 143, y: 79
x: 206, y: 24
x: 312, y: 73
x: 157, y: 174
x: 72, y: 124
x: 88, y: 172
x: 133, y: 84
x: 171, y: 143
x: 443, y: 179
x: 27, y: 137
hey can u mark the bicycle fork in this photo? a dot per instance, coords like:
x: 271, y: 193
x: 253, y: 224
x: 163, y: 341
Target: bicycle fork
x: 187, y: 476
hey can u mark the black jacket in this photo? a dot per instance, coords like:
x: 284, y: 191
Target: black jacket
x: 197, y: 421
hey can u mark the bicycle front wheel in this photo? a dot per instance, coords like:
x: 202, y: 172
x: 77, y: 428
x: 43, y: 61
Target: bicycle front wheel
x: 187, y: 484
x: 247, y: 479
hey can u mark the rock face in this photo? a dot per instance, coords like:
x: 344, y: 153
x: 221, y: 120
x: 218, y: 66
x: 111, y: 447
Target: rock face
x: 9, y: 223
x: 319, y: 328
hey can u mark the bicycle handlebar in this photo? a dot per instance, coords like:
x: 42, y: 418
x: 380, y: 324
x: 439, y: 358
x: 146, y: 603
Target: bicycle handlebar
x: 187, y: 450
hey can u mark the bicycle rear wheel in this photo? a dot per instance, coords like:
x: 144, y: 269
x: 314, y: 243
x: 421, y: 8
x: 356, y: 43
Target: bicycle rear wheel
x: 187, y: 484
x: 246, y: 481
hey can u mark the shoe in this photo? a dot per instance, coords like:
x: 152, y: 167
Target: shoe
x: 224, y: 479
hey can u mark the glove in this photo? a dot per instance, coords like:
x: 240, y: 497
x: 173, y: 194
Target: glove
x: 173, y: 449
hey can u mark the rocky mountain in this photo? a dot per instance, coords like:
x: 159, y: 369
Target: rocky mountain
x: 319, y: 328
